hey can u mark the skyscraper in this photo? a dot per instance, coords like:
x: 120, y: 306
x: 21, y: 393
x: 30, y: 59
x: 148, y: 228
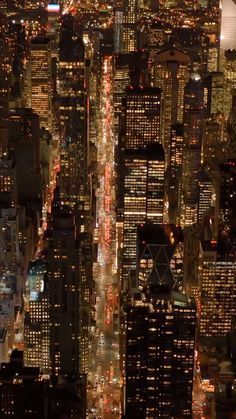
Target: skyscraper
x: 72, y: 112
x: 143, y: 198
x: 159, y: 256
x: 129, y: 27
x: 228, y: 29
x: 193, y: 123
x: 175, y: 171
x: 160, y: 356
x: 229, y: 72
x: 218, y: 294
x: 142, y: 109
x: 41, y: 80
x: 63, y: 282
x: 160, y: 333
x: 171, y: 73
x: 24, y: 139
x: 37, y: 322
x: 121, y: 82
x: 206, y: 195
x: 227, y: 194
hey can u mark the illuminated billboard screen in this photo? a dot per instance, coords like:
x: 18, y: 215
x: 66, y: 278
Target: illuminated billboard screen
x: 53, y: 8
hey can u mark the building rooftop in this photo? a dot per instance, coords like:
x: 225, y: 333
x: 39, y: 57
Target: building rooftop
x: 152, y: 151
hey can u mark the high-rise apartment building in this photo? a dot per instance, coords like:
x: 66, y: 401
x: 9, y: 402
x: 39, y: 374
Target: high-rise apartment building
x: 171, y: 73
x: 193, y: 123
x: 41, y: 80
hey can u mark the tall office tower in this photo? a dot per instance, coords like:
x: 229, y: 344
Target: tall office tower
x: 141, y: 166
x: 142, y: 196
x: 160, y: 256
x: 216, y: 93
x: 121, y: 82
x: 229, y: 72
x: 227, y: 194
x: 37, y: 321
x: 206, y: 195
x: 23, y: 396
x: 72, y: 112
x: 193, y: 123
x: 5, y: 68
x: 160, y: 356
x: 41, y: 80
x: 218, y: 293
x: 8, y: 183
x: 140, y: 200
x: 160, y: 334
x: 118, y: 31
x: 141, y: 116
x: 228, y: 29
x: 63, y: 279
x: 175, y: 171
x: 212, y: 27
x: 129, y: 69
x: 53, y: 27
x: 192, y: 236
x: 24, y: 137
x: 129, y: 27
x: 232, y: 117
x: 85, y: 298
x: 171, y: 74
x: 9, y: 236
x: 213, y: 141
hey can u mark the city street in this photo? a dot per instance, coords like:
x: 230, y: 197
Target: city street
x: 103, y: 394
